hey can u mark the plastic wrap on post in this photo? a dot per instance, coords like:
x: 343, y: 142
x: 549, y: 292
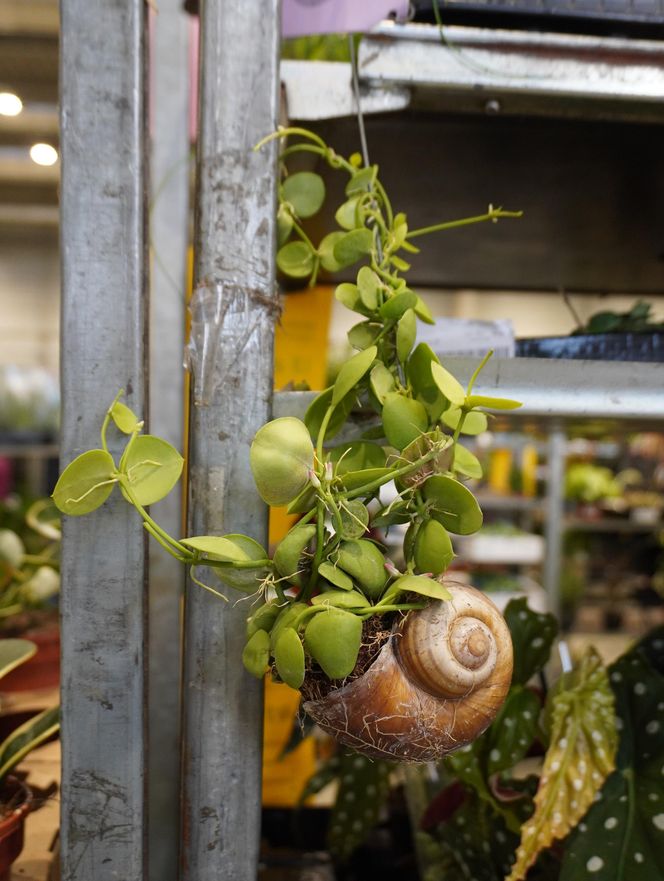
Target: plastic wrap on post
x: 211, y: 307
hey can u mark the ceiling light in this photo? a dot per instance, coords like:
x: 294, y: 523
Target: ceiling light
x: 10, y: 104
x: 43, y: 154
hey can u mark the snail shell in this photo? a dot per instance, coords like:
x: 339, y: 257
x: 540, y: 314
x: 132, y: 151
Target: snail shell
x: 436, y: 685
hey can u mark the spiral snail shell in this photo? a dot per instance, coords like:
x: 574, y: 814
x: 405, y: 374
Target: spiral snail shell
x: 436, y: 684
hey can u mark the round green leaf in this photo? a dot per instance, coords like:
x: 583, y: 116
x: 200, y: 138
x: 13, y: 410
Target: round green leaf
x: 398, y: 304
x: 341, y: 599
x: 345, y: 215
x: 406, y: 334
x: 333, y: 639
x: 448, y: 385
x: 289, y: 551
x: 364, y: 334
x: 362, y: 181
x: 474, y: 423
x: 326, y: 252
x: 86, y: 483
x: 349, y: 296
x: 233, y: 548
x: 354, y: 519
x: 335, y: 576
x: 422, y: 585
x: 404, y: 420
x: 256, y: 654
x: 352, y: 372
x: 418, y: 368
x: 369, y: 286
x: 452, y: 504
x: 433, y: 548
x: 152, y: 467
x: 123, y: 417
x: 296, y: 259
x: 352, y: 246
x: 281, y: 458
x: 305, y: 191
x: 286, y: 618
x: 289, y: 658
x: 365, y: 563
x: 356, y: 455
x: 382, y: 381
x: 467, y: 463
x: 263, y: 618
x: 284, y: 225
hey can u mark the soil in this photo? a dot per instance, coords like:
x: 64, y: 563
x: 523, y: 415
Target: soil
x: 375, y: 633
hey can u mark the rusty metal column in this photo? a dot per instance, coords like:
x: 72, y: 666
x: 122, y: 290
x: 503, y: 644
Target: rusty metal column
x: 103, y: 349
x: 233, y: 315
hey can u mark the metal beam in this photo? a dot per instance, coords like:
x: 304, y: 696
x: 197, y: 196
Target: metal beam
x: 234, y: 308
x: 103, y: 816
x: 169, y: 231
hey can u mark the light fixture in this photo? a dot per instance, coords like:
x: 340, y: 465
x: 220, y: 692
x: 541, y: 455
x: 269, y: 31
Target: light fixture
x: 43, y: 154
x: 10, y: 104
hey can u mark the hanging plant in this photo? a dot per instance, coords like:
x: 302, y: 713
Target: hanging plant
x: 397, y: 664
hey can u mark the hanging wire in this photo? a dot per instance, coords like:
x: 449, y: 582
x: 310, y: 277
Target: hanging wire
x: 358, y: 104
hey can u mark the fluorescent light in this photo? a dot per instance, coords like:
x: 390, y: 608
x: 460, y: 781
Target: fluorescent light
x: 10, y: 104
x: 43, y: 154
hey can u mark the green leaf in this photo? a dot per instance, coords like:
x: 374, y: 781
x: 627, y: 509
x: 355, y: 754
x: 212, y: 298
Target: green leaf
x: 422, y: 585
x: 304, y: 502
x: 364, y: 334
x: 492, y: 403
x: 533, y: 634
x: 322, y: 778
x: 422, y: 311
x: 382, y: 381
x: 352, y: 372
x: 263, y: 618
x: 354, y: 519
x: 124, y: 418
x: 256, y: 653
x: 621, y: 836
x: 26, y: 737
x: 296, y: 259
x: 316, y: 411
x: 580, y: 757
x: 513, y: 731
x: 86, y: 483
x: 362, y: 181
x: 448, y: 385
x: 369, y: 286
x: 305, y: 191
x: 346, y: 214
x: 353, y: 480
x: 352, y: 246
x: 357, y: 455
x: 397, y: 305
x: 433, y: 548
x: 406, y: 334
x: 399, y: 263
x: 281, y: 459
x: 335, y: 576
x: 453, y: 504
x: 466, y: 462
x: 152, y: 467
x: 287, y: 556
x: 288, y: 617
x: 404, y: 420
x: 341, y: 599
x: 349, y: 296
x: 289, y: 658
x: 474, y: 423
x: 333, y: 639
x: 418, y: 368
x: 233, y: 548
x: 364, y: 787
x: 284, y: 225
x: 13, y: 653
x: 365, y: 563
x: 326, y: 252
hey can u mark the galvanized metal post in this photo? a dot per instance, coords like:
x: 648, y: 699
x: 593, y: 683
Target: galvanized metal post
x: 169, y: 228
x: 103, y: 350
x: 555, y: 509
x: 233, y: 315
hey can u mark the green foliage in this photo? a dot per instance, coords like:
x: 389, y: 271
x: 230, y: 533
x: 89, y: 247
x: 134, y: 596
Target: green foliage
x: 326, y: 578
x: 638, y: 319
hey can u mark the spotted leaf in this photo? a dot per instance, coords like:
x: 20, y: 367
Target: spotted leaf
x: 580, y: 757
x: 532, y: 635
x: 363, y: 789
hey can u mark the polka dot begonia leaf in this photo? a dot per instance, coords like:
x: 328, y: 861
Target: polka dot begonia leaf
x: 580, y: 756
x: 622, y: 835
x: 532, y: 635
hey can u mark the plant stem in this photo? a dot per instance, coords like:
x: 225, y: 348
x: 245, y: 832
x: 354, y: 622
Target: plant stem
x: 180, y: 548
x: 494, y: 214
x: 321, y: 433
x: 318, y: 556
x: 478, y: 370
x: 107, y: 419
x: 455, y: 438
x: 397, y: 472
x: 292, y: 130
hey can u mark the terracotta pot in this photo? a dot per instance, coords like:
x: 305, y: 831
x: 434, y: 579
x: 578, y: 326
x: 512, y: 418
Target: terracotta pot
x: 11, y: 826
x: 43, y: 669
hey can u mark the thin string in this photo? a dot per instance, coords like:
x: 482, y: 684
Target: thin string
x: 358, y: 104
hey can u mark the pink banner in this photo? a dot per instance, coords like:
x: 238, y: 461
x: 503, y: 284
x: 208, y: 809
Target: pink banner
x: 304, y: 17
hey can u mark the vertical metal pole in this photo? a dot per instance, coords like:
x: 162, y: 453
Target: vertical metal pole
x: 233, y: 315
x: 169, y: 228
x: 554, y: 508
x: 103, y: 349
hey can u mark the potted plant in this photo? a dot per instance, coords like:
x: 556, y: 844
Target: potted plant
x: 399, y: 664
x: 29, y: 586
x: 15, y: 796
